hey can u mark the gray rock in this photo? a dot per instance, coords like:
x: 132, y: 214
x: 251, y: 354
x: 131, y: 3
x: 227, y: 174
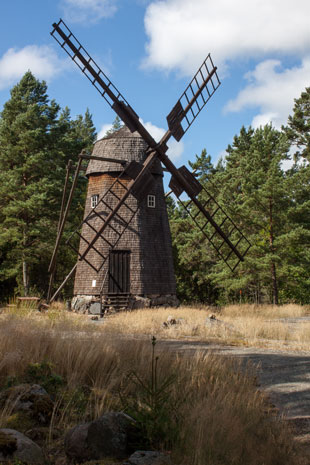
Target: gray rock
x: 29, y: 398
x: 165, y: 300
x: 141, y: 302
x: 94, y: 308
x: 213, y: 322
x: 76, y: 443
x: 108, y: 436
x: 80, y: 303
x: 171, y: 321
x: 16, y: 446
x: 142, y: 457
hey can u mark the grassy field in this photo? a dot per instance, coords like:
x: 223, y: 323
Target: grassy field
x: 249, y: 325
x: 212, y: 412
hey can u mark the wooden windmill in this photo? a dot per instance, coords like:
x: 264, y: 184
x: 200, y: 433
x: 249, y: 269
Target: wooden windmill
x: 125, y: 245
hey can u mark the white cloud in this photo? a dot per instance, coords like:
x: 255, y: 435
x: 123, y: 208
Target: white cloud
x: 91, y: 11
x: 182, y: 32
x: 271, y: 89
x: 175, y: 148
x: 42, y: 61
x: 222, y: 155
x: 103, y: 130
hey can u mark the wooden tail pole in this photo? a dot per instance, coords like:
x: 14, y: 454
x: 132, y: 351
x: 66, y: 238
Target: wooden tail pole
x: 62, y: 225
x: 64, y: 194
x: 62, y: 285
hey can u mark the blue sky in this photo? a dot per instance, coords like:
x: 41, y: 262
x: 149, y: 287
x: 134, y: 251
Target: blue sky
x: 151, y: 49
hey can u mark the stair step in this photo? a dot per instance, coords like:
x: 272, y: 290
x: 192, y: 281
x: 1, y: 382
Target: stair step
x: 116, y: 301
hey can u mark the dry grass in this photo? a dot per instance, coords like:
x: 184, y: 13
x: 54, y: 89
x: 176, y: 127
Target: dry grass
x: 237, y: 324
x: 222, y: 418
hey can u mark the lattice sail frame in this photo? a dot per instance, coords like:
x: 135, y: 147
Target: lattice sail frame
x: 91, y: 225
x: 194, y: 98
x: 231, y: 230
x: 87, y: 59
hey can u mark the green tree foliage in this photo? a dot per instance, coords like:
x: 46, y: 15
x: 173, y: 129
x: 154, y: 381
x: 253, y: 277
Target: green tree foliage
x: 117, y: 124
x: 36, y: 141
x: 253, y: 186
x: 271, y: 207
x: 192, y: 258
x: 298, y: 178
x: 298, y: 126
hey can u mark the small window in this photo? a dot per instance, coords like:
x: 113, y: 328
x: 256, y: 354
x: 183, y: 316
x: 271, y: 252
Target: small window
x: 93, y: 283
x: 94, y: 200
x: 151, y: 201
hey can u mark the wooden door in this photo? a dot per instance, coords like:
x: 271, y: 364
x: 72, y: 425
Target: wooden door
x: 119, y: 272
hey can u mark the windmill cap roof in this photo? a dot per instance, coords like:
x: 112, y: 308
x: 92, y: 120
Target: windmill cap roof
x: 121, y: 145
x: 120, y: 133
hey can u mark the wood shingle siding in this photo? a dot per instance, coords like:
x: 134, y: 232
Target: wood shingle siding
x: 147, y: 238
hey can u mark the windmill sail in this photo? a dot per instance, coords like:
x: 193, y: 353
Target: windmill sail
x: 196, y: 95
x: 194, y: 98
x: 232, y: 232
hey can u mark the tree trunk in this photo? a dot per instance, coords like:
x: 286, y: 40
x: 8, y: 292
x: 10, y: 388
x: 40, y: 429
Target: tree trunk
x: 275, y: 298
x: 25, y: 278
x: 25, y: 266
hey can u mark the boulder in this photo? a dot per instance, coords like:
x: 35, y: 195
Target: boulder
x: 142, y: 457
x: 171, y: 321
x: 140, y: 302
x: 108, y: 436
x: 213, y: 322
x: 15, y: 446
x: 165, y: 300
x: 31, y: 399
x: 80, y: 303
x: 94, y: 308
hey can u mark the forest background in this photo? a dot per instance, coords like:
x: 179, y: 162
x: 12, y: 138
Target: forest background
x: 269, y: 203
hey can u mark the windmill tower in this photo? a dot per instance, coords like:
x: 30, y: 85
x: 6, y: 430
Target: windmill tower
x: 138, y: 270
x: 121, y: 211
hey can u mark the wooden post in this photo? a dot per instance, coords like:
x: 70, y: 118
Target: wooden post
x: 64, y: 193
x: 63, y: 283
x: 61, y: 227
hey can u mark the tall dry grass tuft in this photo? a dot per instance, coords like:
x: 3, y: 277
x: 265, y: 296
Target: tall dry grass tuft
x: 228, y: 422
x: 265, y: 311
x: 218, y: 414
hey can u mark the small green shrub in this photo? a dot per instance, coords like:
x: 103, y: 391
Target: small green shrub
x: 153, y: 407
x: 42, y: 373
x: 38, y: 373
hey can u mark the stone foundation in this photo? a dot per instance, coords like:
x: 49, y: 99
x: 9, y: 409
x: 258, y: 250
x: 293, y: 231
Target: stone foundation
x: 89, y: 304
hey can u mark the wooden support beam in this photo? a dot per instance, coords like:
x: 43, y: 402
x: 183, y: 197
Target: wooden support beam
x: 62, y: 285
x: 61, y: 227
x: 64, y: 194
x: 111, y: 160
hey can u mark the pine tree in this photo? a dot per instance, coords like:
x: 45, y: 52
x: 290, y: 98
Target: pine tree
x: 255, y: 191
x: 117, y: 124
x: 192, y: 254
x: 298, y: 125
x: 35, y: 145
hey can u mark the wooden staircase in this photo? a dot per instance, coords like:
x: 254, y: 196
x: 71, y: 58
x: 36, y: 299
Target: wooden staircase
x: 115, y: 302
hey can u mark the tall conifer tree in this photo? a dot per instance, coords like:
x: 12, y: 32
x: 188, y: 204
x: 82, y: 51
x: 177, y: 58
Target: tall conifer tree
x: 254, y: 186
x: 298, y: 125
x: 35, y: 145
